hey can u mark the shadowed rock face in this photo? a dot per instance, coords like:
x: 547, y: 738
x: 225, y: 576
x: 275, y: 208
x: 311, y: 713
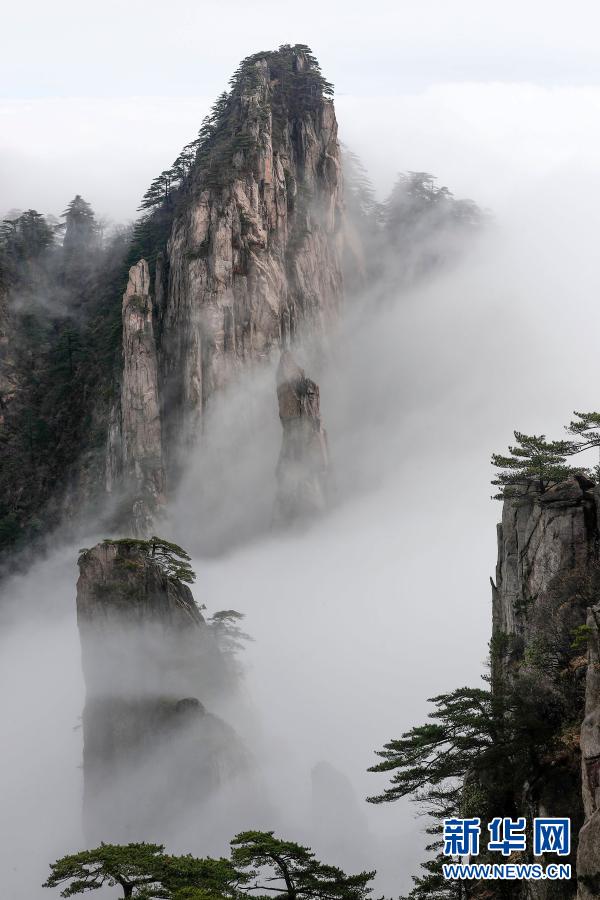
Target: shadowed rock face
x: 152, y: 752
x: 303, y: 466
x: 548, y: 542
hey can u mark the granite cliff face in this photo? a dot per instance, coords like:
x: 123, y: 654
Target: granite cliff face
x: 135, y: 464
x: 253, y: 259
x: 255, y: 256
x: 542, y: 535
x: 112, y: 351
x: 152, y: 751
x: 546, y: 581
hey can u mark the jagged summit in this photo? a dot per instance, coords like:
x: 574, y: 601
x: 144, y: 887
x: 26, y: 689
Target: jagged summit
x: 243, y: 241
x: 278, y: 86
x: 270, y: 92
x: 239, y: 245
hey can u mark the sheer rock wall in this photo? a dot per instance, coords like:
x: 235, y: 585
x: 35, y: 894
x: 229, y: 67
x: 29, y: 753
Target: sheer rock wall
x: 253, y: 261
x: 135, y: 452
x: 547, y: 549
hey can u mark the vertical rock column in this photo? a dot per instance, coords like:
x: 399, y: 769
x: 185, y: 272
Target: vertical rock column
x: 303, y: 467
x: 142, y: 456
x: 254, y: 254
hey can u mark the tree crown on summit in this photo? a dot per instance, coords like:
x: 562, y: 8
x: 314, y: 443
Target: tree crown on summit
x: 532, y: 460
x: 172, y: 559
x: 297, y: 86
x: 80, y: 211
x: 80, y: 223
x: 535, y: 460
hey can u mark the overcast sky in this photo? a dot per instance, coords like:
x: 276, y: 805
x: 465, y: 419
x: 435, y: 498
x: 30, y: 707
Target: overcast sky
x: 97, y: 98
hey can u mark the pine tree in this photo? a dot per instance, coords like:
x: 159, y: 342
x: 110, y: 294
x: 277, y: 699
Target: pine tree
x: 143, y: 871
x: 360, y: 195
x: 258, y: 861
x: 134, y: 867
x: 23, y: 239
x: 466, y: 731
x: 225, y: 628
x: 172, y: 559
x: 585, y: 428
x: 80, y: 226
x: 532, y: 460
x: 466, y: 739
x: 293, y: 871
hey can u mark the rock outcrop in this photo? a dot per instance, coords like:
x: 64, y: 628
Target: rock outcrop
x: 303, y: 466
x: 248, y: 260
x: 237, y: 255
x: 152, y: 752
x: 546, y: 577
x: 542, y: 535
x: 135, y: 463
x: 588, y: 856
x: 254, y: 251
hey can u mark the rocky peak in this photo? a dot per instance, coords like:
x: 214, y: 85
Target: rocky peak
x: 303, y: 467
x: 152, y: 751
x: 251, y: 262
x: 253, y: 255
x: 546, y: 578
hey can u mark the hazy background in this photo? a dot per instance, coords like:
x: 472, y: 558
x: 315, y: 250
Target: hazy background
x: 98, y: 98
x: 385, y: 602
